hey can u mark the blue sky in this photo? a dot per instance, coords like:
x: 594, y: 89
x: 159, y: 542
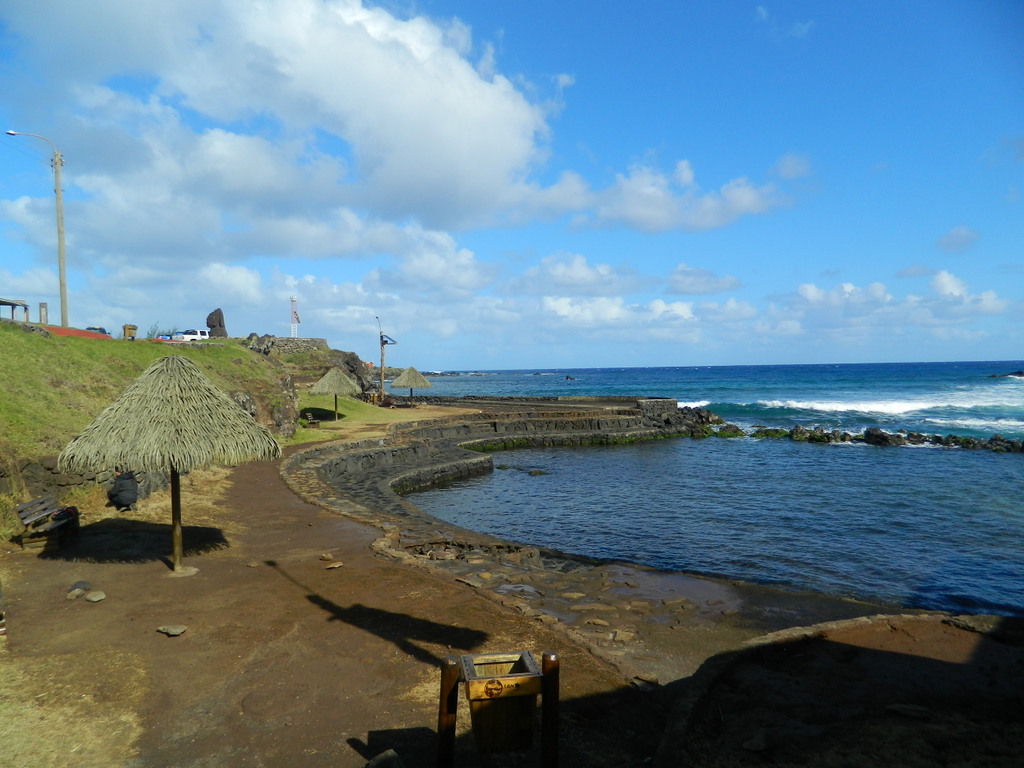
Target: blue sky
x: 528, y: 184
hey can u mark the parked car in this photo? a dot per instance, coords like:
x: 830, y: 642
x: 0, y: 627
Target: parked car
x: 201, y: 334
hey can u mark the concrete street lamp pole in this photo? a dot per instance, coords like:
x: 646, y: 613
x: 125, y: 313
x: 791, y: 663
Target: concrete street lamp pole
x: 58, y: 161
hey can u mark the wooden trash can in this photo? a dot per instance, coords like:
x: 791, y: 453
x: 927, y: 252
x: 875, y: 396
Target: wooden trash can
x: 502, y: 692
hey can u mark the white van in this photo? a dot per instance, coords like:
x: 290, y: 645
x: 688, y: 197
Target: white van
x: 191, y: 335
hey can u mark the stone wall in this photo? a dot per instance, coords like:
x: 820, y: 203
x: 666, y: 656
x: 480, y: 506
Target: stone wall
x: 418, y: 455
x: 284, y: 345
x: 42, y: 476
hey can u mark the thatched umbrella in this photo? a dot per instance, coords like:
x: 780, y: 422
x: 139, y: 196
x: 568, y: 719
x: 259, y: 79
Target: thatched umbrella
x: 335, y: 382
x: 170, y: 419
x: 410, y: 378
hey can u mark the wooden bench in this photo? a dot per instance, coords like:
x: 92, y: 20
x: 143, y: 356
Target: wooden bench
x: 46, y: 521
x: 311, y: 422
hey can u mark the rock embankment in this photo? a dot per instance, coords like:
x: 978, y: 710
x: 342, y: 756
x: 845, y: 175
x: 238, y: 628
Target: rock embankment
x: 876, y: 436
x: 624, y: 613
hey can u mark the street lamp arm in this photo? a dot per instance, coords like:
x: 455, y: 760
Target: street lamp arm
x: 35, y: 136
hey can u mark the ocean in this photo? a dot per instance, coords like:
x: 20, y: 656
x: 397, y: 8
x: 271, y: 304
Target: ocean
x: 921, y: 527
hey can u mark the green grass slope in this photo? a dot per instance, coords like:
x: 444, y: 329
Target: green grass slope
x: 51, y: 388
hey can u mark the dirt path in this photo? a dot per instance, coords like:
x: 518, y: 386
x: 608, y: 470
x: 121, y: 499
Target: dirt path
x: 285, y: 661
x: 289, y: 661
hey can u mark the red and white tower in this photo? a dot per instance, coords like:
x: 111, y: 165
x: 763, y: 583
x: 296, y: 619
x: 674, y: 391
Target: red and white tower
x: 295, y: 318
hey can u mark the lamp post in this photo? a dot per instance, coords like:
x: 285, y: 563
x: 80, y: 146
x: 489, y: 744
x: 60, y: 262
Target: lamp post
x: 384, y: 341
x: 58, y: 161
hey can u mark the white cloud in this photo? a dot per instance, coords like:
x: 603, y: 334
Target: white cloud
x: 433, y: 264
x: 947, y: 284
x: 847, y: 313
x: 225, y: 282
x: 650, y: 201
x: 31, y: 282
x: 309, y: 129
x: 571, y: 274
x: 988, y: 303
x: 734, y: 199
x: 695, y: 280
x: 587, y: 312
x: 811, y: 292
x: 780, y: 31
x: 729, y: 311
x: 916, y: 270
x: 793, y: 166
x: 845, y: 295
x: 783, y: 328
x: 676, y: 310
x: 413, y: 113
x: 957, y: 240
x: 684, y: 175
x: 642, y: 198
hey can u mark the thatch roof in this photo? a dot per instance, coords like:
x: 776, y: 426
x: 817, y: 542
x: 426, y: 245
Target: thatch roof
x: 410, y: 378
x: 336, y: 382
x: 172, y: 416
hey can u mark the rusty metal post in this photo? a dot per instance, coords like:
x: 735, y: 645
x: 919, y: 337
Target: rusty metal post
x: 447, y: 710
x: 550, y: 665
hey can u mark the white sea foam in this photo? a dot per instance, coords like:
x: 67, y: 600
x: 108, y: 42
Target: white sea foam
x: 980, y: 425
x: 1011, y: 398
x: 695, y: 404
x: 888, y: 407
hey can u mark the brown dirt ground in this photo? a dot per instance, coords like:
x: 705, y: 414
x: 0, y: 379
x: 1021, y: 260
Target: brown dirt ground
x: 289, y: 662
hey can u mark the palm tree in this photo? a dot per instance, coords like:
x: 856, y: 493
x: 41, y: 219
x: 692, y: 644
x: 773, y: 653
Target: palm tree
x: 335, y: 382
x: 171, y: 419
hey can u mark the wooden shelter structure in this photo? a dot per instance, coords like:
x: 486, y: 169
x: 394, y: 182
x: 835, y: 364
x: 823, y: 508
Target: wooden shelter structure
x: 338, y: 383
x: 171, y: 419
x: 412, y: 379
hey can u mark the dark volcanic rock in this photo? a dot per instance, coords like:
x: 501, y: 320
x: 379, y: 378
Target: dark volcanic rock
x: 1019, y: 374
x: 875, y: 436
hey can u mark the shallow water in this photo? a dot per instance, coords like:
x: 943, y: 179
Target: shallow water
x: 925, y: 527
x: 930, y: 528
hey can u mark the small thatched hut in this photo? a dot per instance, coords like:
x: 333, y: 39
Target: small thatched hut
x: 171, y: 419
x: 338, y: 383
x: 412, y: 379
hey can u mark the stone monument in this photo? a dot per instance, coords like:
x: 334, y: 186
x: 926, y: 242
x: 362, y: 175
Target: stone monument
x: 215, y: 322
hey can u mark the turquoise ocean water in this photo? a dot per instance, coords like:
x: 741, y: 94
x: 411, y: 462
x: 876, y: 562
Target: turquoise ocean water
x: 921, y: 527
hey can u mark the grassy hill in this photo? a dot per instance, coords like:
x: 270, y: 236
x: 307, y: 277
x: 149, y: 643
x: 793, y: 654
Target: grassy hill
x: 52, y: 387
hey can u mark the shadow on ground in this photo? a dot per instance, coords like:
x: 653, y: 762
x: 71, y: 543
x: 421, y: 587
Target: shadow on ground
x: 858, y: 697
x: 606, y: 731
x: 118, y: 540
x: 398, y: 628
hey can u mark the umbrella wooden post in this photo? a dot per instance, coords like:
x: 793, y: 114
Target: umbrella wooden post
x: 176, y: 547
x: 446, y: 711
x: 550, y: 665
